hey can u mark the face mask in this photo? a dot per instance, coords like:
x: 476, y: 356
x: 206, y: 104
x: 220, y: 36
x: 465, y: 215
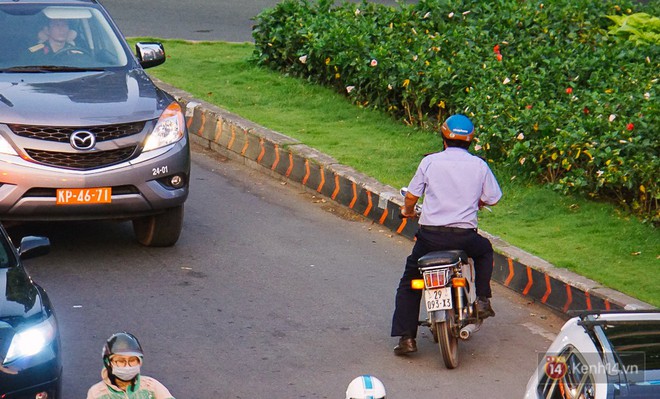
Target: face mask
x: 126, y: 373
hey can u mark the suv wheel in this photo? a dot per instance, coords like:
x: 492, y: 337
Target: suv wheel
x: 160, y: 230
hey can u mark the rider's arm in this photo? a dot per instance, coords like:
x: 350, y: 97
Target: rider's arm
x: 491, y: 192
x: 408, y: 209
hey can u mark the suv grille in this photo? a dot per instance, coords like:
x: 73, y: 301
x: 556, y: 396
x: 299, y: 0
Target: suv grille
x: 63, y: 134
x: 83, y: 160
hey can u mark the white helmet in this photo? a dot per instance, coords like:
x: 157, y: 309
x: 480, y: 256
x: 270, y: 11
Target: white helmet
x: 365, y: 387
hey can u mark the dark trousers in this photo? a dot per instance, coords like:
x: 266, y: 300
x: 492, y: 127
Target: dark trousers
x: 406, y: 312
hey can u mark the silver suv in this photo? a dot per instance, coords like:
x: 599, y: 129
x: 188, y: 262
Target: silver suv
x: 84, y: 132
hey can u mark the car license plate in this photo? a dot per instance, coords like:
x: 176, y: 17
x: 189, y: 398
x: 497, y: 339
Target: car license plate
x: 77, y: 196
x: 438, y: 299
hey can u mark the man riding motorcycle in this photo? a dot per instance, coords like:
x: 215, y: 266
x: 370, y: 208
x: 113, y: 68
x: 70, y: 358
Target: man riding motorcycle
x: 455, y: 185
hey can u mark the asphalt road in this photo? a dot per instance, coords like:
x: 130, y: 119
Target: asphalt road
x: 270, y: 292
x: 226, y: 20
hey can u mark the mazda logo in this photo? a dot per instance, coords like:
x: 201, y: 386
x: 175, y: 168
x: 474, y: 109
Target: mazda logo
x: 82, y: 140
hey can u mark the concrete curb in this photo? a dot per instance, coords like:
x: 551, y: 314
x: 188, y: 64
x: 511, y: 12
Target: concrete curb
x: 281, y: 156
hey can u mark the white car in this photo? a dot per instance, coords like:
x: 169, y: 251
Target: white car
x: 599, y: 355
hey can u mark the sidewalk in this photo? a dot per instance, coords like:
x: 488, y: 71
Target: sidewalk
x: 282, y: 156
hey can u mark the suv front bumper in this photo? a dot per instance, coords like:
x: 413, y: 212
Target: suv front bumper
x: 139, y: 187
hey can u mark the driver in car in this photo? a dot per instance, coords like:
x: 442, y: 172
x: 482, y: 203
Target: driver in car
x: 55, y: 38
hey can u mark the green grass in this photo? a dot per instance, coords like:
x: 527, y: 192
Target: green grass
x: 592, y: 239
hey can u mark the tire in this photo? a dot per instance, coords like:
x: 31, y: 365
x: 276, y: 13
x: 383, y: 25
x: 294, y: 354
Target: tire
x: 447, y: 341
x: 162, y: 230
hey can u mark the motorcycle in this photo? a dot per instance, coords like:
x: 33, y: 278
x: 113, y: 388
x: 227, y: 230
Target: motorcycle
x: 449, y: 296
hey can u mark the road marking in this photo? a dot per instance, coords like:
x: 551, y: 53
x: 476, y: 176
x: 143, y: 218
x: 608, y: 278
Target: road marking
x: 540, y: 331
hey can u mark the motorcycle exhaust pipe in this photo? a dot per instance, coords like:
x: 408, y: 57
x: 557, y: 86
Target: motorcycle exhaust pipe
x: 468, y: 330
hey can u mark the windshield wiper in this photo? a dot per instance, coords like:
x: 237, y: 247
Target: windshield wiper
x: 48, y: 68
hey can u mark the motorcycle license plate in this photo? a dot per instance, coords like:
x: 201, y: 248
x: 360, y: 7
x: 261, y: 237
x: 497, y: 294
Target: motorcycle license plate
x: 438, y: 299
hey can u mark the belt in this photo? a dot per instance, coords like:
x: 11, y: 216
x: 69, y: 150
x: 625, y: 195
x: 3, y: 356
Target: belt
x: 445, y: 229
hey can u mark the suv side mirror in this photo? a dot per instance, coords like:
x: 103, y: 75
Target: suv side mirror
x: 32, y: 247
x: 150, y: 54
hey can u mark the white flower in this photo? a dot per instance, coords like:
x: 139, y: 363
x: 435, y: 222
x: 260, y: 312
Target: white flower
x: 522, y: 161
x: 428, y: 14
x: 349, y: 89
x: 520, y: 136
x: 477, y: 147
x: 466, y: 12
x: 415, y: 57
x: 451, y: 15
x: 599, y: 173
x: 373, y: 62
x: 357, y: 11
x: 389, y: 87
x: 506, y: 80
x: 647, y: 95
x: 612, y: 118
x: 303, y: 59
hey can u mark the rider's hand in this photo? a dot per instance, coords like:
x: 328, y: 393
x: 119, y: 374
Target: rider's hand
x: 407, y: 213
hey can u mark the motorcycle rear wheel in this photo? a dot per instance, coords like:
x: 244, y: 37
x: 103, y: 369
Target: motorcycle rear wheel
x: 447, y: 340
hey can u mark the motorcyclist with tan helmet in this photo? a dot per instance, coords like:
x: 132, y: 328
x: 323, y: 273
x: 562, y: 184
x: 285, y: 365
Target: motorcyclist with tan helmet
x: 121, y: 378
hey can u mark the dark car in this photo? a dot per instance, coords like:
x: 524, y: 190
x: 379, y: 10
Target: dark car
x: 85, y: 134
x: 30, y: 355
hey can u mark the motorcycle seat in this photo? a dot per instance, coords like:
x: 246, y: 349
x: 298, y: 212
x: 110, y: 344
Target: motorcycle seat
x: 438, y: 258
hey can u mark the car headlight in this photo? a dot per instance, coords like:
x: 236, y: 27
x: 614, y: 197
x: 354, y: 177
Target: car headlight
x: 169, y: 129
x: 5, y: 148
x: 32, y: 340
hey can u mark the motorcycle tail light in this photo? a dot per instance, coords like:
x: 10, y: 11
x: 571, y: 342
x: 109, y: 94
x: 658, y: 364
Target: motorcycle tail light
x: 434, y: 278
x: 459, y: 282
x: 417, y: 284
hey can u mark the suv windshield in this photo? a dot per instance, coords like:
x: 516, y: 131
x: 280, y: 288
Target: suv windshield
x: 37, y: 36
x: 638, y: 347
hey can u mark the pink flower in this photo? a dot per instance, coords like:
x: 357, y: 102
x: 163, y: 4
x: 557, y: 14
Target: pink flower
x: 630, y: 126
x: 373, y: 63
x: 499, y: 57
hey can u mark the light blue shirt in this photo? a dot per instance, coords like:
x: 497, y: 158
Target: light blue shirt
x: 452, y: 182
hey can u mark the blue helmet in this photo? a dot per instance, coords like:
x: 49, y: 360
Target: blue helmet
x: 458, y: 127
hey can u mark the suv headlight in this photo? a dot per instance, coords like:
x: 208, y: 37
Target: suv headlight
x: 169, y: 129
x: 32, y: 340
x: 5, y: 148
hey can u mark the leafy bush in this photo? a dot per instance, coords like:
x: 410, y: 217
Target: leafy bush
x: 554, y: 95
